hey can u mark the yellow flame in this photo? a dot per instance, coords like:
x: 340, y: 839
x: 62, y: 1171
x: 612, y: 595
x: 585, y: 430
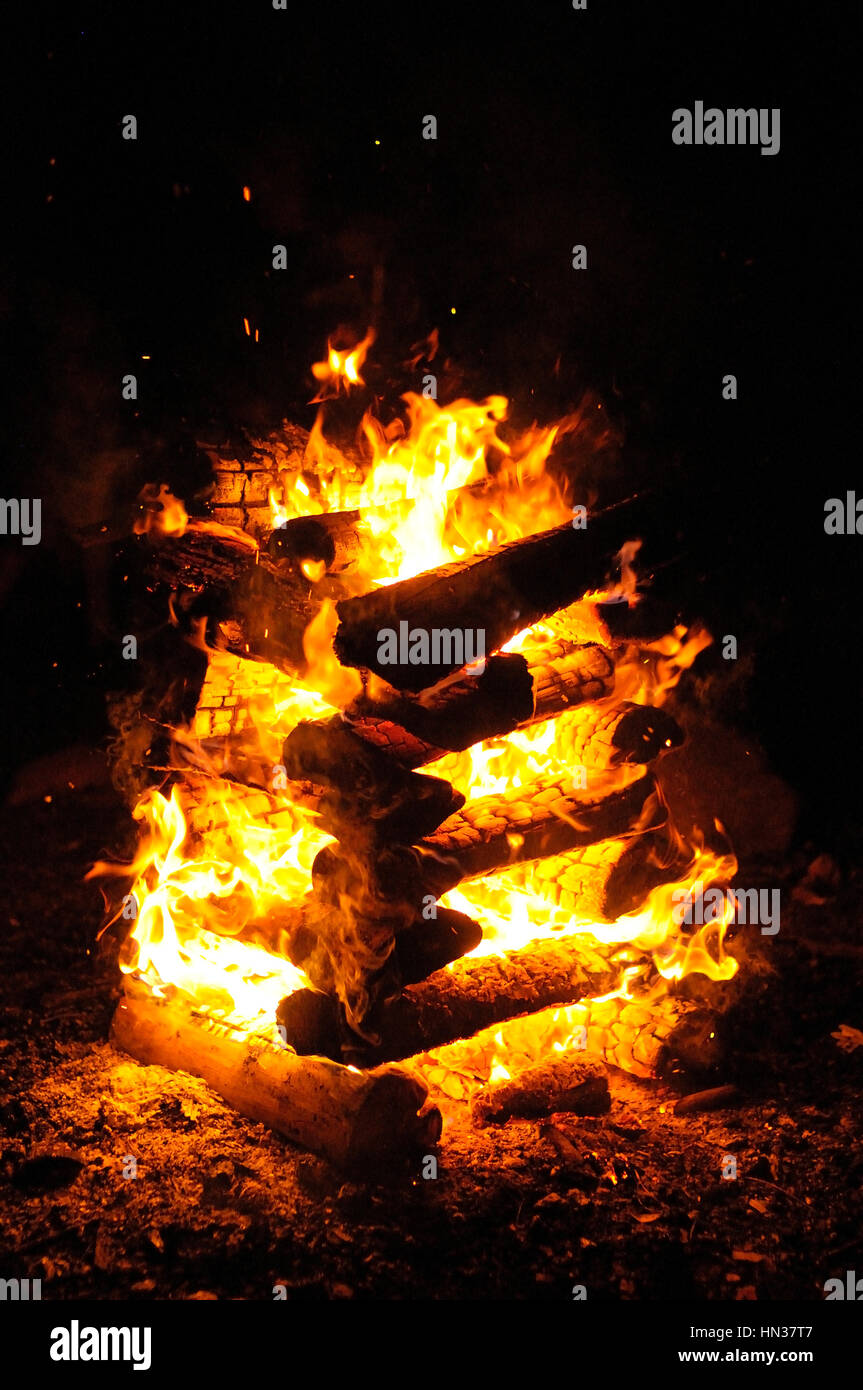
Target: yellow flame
x: 341, y: 368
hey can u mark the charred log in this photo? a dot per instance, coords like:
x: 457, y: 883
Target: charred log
x: 249, y: 605
x: 606, y: 736
x: 538, y: 820
x: 338, y: 540
x: 513, y: 692
x: 601, y: 882
x: 460, y: 711
x: 565, y: 676
x: 497, y: 595
x: 474, y: 993
x: 365, y: 792
x: 334, y: 540
x: 663, y: 1036
x: 477, y: 992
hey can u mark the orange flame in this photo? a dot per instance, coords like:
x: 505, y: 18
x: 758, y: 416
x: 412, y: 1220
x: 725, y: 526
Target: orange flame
x: 341, y: 368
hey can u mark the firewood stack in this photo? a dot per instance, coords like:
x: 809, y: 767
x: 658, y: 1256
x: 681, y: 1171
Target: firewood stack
x: 390, y: 969
x: 371, y: 937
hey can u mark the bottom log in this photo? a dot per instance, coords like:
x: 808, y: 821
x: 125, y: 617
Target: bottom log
x: 349, y: 1117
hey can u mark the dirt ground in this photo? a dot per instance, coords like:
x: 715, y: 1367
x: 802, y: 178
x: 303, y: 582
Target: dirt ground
x: 631, y: 1205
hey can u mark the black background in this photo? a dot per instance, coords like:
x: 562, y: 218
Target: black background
x: 554, y: 127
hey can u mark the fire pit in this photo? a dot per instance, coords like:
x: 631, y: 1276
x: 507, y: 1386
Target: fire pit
x: 405, y: 849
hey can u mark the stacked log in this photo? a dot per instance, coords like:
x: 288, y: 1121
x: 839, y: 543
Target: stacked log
x: 601, y: 882
x: 473, y: 993
x: 608, y: 735
x: 499, y: 595
x: 512, y: 692
x: 547, y: 817
x: 659, y: 1036
x: 390, y: 970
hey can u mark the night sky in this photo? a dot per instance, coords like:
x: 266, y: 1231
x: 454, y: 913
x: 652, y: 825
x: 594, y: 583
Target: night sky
x: 554, y: 128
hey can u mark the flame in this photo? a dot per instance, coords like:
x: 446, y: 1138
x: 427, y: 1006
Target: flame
x: 161, y: 512
x: 341, y: 368
x: 220, y: 859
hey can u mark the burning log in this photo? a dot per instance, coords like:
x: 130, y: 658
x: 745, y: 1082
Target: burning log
x: 605, y: 736
x: 616, y: 621
x: 337, y: 540
x: 311, y: 1021
x: 349, y: 1117
x: 651, y: 1037
x: 396, y: 874
x: 498, y: 595
x: 564, y: 676
x: 479, y: 991
x: 334, y: 540
x: 361, y: 936
x: 512, y: 692
x: 251, y: 606
x: 658, y: 1038
x: 572, y: 1081
x: 544, y: 818
x: 343, y: 936
x: 461, y: 711
x: 600, y: 882
x: 428, y: 946
x: 394, y: 739
x: 366, y: 793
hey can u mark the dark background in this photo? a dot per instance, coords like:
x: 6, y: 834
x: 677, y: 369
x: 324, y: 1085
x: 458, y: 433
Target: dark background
x: 554, y: 127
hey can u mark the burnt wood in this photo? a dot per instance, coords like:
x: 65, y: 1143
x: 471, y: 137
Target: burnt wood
x: 570, y: 1081
x: 366, y: 794
x: 474, y: 993
x: 543, y: 818
x: 498, y: 594
x: 479, y: 991
x: 250, y: 605
x: 460, y: 711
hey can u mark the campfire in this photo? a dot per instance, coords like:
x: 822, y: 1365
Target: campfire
x: 404, y: 847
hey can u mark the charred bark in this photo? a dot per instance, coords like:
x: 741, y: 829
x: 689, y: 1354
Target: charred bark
x: 497, y: 595
x: 475, y: 993
x: 538, y: 820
